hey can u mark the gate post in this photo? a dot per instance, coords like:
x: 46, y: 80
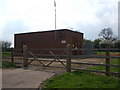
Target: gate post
x: 68, y: 58
x: 107, y: 62
x: 25, y: 56
x: 12, y: 55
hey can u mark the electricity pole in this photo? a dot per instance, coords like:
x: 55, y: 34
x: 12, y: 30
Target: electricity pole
x: 55, y: 12
x: 55, y: 17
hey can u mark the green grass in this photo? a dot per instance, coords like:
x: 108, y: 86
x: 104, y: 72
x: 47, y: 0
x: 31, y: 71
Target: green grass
x: 100, y: 52
x: 112, y: 69
x: 103, y: 52
x: 8, y: 65
x: 6, y: 53
x: 114, y: 62
x: 81, y: 79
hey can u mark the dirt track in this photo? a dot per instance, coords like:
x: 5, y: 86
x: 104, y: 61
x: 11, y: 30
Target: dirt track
x: 19, y: 78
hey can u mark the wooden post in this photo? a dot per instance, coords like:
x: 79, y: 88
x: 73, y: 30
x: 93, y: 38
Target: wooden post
x: 107, y: 62
x: 12, y: 55
x: 25, y: 56
x: 68, y: 58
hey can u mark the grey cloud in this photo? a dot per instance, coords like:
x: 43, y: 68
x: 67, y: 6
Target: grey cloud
x: 14, y: 27
x: 119, y: 19
x: 101, y: 12
x: 11, y: 28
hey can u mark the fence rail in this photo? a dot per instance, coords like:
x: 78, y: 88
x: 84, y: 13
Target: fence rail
x: 94, y: 56
x: 66, y: 54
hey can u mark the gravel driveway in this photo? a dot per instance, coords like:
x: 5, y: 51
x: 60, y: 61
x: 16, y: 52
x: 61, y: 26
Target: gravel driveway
x: 19, y: 78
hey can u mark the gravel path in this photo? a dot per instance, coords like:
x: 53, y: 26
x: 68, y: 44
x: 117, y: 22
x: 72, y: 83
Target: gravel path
x: 19, y: 78
x: 32, y: 78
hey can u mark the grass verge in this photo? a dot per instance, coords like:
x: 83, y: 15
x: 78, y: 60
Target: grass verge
x: 8, y: 65
x: 81, y: 79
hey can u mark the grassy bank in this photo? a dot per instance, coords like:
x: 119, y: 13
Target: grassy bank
x: 81, y: 79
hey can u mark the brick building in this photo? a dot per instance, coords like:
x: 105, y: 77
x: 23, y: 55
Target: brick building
x: 49, y: 39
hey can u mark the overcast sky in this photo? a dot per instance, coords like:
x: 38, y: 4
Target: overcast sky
x: 86, y: 16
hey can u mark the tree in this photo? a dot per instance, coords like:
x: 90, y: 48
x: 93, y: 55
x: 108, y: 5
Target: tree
x: 107, y: 34
x: 86, y: 40
x: 0, y: 46
x: 117, y: 44
x: 96, y: 43
x: 6, y: 46
x: 107, y: 37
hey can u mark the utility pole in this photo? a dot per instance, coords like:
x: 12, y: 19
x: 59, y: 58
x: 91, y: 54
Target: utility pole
x: 55, y: 17
x: 55, y: 12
